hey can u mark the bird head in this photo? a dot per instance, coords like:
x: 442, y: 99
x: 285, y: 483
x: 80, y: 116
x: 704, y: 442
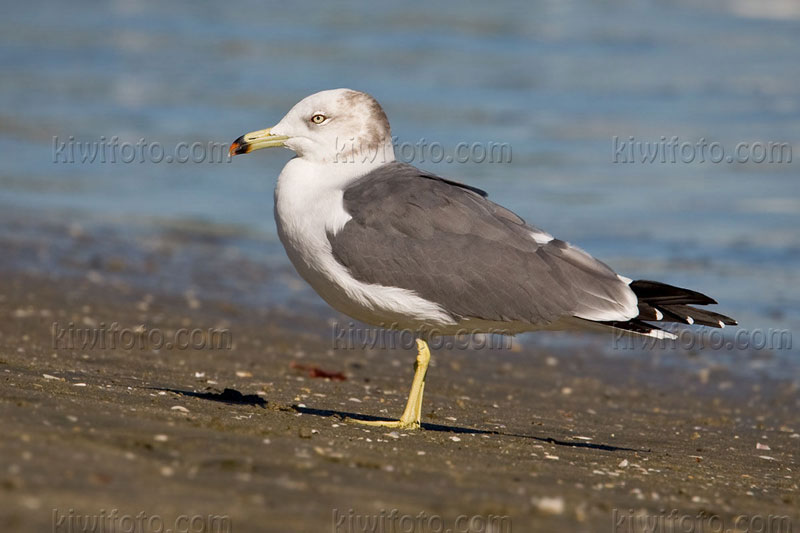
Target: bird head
x: 338, y: 125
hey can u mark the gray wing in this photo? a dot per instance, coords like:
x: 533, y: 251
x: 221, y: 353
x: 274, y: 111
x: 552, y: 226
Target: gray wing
x: 451, y: 245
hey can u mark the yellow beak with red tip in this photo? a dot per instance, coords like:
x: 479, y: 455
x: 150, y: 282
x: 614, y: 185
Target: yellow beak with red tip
x: 256, y: 140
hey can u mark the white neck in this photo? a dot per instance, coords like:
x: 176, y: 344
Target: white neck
x: 339, y: 170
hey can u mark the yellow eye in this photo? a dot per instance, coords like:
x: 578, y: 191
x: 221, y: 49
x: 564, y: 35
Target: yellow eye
x: 318, y: 118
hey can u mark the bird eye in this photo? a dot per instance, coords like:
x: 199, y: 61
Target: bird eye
x: 319, y: 118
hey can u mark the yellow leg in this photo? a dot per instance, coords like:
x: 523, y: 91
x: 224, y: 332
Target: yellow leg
x: 413, y: 410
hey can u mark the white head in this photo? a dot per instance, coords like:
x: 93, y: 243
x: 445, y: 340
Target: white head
x: 335, y: 126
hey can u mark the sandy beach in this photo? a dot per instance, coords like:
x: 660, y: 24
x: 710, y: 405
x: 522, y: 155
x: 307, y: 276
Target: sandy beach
x: 249, y: 433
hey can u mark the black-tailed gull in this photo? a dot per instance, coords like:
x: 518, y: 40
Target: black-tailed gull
x: 395, y: 246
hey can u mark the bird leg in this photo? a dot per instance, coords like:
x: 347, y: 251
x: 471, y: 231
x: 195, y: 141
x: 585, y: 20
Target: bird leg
x: 413, y: 410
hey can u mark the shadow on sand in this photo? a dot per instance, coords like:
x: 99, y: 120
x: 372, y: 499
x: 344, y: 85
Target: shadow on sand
x: 228, y: 396
x: 455, y: 429
x: 234, y: 397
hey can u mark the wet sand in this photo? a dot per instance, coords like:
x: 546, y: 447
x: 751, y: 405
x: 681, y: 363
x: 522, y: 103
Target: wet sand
x: 552, y: 439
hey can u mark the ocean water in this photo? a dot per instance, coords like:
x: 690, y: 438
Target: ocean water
x: 556, y: 81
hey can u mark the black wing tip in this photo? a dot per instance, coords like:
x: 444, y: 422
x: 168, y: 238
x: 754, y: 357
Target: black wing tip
x: 660, y: 302
x: 636, y: 326
x: 656, y: 292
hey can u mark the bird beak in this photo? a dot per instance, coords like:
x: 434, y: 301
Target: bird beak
x: 256, y: 140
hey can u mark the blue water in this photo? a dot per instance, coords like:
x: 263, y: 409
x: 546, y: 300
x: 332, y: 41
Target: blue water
x: 555, y: 80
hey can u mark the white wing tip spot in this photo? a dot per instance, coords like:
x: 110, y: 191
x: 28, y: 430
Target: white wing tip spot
x: 661, y: 334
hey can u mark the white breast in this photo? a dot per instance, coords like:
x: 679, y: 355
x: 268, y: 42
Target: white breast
x: 308, y: 206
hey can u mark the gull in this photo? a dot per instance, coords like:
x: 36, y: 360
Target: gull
x: 398, y: 247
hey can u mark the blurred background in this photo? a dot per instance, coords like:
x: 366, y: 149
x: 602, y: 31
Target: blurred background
x: 556, y: 80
